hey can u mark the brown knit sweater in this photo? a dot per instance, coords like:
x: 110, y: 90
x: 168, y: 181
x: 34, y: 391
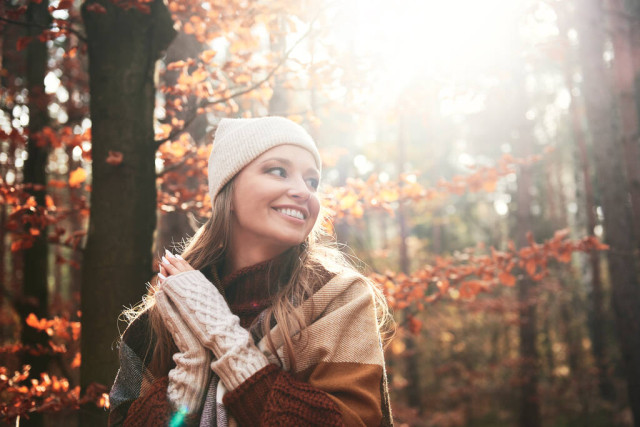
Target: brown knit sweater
x: 339, y: 382
x: 271, y: 396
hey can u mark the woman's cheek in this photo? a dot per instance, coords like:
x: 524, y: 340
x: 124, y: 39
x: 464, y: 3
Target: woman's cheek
x: 314, y: 207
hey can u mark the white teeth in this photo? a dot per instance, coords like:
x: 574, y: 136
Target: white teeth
x: 292, y: 212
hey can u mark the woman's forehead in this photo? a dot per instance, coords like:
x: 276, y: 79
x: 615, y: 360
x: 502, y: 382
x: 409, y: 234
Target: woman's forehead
x: 290, y: 154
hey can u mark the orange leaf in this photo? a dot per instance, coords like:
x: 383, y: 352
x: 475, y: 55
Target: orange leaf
x: 489, y: 186
x: 114, y: 158
x: 564, y: 256
x: 507, y: 279
x: 530, y: 266
x: 208, y: 55
x: 77, y: 177
x: 414, y: 324
x: 77, y: 360
x: 23, y: 42
x: 32, y: 320
x: 348, y: 202
x: 48, y: 201
x: 96, y: 8
x: 199, y: 75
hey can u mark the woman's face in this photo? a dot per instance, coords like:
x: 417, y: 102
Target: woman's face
x: 275, y: 203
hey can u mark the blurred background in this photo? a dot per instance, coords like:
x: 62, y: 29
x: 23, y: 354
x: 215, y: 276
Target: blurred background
x: 481, y: 160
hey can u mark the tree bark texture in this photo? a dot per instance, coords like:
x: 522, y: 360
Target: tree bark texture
x: 614, y: 196
x: 123, y: 46
x: 596, y: 312
x: 620, y: 28
x: 34, y: 297
x: 523, y: 141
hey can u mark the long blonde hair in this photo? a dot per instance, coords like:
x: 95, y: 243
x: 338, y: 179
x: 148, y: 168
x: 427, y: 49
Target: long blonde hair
x: 304, y: 269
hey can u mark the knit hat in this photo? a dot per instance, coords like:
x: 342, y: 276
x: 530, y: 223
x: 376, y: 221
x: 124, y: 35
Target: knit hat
x: 237, y: 142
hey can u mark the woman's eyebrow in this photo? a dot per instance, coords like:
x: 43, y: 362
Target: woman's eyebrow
x: 278, y: 159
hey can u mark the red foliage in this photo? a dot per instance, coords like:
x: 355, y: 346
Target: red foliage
x: 22, y: 396
x: 357, y: 196
x: 466, y: 274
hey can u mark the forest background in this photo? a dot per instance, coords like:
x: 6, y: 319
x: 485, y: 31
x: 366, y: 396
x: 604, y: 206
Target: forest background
x: 480, y: 158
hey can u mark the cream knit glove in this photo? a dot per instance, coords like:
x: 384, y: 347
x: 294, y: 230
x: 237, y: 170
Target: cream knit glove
x: 207, y: 314
x: 188, y: 381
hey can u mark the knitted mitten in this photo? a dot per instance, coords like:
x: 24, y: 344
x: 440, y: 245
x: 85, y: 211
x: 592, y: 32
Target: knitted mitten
x: 188, y: 380
x: 207, y: 314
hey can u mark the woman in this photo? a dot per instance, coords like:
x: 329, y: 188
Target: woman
x: 257, y: 322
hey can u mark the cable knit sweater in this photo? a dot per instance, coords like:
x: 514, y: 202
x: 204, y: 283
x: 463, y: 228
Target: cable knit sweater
x: 340, y: 371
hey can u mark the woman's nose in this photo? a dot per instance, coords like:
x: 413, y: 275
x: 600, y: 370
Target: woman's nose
x: 299, y: 190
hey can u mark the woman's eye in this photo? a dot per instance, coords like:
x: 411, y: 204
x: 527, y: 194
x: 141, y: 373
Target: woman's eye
x: 278, y: 172
x: 313, y: 183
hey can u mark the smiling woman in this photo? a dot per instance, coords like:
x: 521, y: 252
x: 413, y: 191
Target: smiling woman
x: 258, y: 321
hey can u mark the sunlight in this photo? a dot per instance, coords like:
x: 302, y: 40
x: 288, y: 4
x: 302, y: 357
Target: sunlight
x: 415, y: 39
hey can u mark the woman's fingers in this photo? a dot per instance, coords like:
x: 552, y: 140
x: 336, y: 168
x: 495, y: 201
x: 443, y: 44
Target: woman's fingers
x: 168, y: 266
x: 174, y: 264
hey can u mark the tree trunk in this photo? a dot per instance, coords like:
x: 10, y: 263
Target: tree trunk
x: 529, y: 358
x: 596, y: 312
x: 596, y: 319
x: 34, y: 292
x: 123, y: 47
x: 523, y: 141
x: 614, y: 196
x: 624, y: 83
x: 413, y: 355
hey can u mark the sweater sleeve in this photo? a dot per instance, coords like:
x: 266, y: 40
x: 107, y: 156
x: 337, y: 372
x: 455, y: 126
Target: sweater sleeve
x: 154, y: 409
x: 272, y: 397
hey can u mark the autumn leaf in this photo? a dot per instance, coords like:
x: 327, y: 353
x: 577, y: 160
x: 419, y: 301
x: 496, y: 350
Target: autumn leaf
x: 77, y: 177
x: 77, y: 360
x: 96, y: 8
x: 507, y: 278
x: 348, y: 202
x: 564, y: 256
x: 65, y: 4
x: 415, y: 325
x: 208, y: 55
x: 489, y: 186
x: 530, y: 267
x: 176, y: 65
x: 23, y: 42
x: 114, y: 158
x: 199, y: 75
x: 33, y: 321
x: 48, y: 201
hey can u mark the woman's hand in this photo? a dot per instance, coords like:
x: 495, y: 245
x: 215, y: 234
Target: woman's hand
x: 172, y: 264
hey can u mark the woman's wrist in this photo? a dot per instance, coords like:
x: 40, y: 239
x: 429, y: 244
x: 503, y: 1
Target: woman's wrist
x: 238, y: 364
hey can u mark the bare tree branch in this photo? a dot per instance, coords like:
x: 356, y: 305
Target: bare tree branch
x: 44, y: 27
x: 206, y: 103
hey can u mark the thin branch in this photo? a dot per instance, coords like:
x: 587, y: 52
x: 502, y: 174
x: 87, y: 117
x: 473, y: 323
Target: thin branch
x: 44, y: 27
x: 206, y: 103
x: 174, y: 166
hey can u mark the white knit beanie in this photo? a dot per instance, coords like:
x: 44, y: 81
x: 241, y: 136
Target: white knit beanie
x: 237, y: 142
